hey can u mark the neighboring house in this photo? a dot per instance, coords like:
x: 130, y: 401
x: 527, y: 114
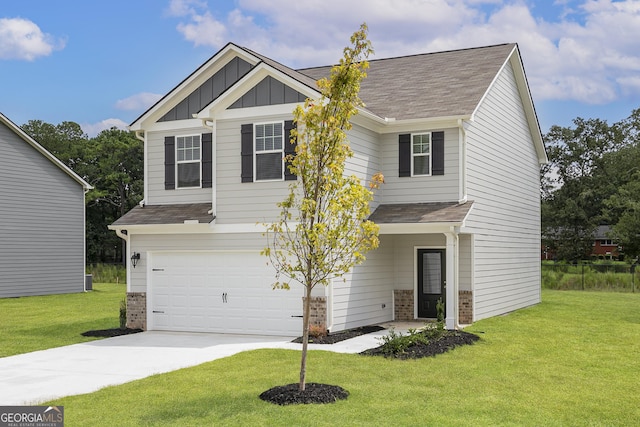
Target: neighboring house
x: 42, y: 221
x: 455, y: 135
x: 603, y: 246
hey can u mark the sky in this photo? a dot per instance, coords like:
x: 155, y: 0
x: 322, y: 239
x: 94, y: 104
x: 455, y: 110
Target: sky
x: 102, y: 63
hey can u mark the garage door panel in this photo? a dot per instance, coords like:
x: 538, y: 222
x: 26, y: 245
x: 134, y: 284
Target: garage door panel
x: 221, y: 292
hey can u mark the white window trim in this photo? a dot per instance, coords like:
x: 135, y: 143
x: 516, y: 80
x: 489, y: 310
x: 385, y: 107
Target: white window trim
x: 199, y: 161
x: 413, y: 156
x: 255, y: 152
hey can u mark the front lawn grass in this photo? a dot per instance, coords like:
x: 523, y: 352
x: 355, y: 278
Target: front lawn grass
x: 41, y: 322
x: 570, y: 361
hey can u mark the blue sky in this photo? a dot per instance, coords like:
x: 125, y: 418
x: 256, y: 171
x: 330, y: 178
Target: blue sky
x: 102, y: 63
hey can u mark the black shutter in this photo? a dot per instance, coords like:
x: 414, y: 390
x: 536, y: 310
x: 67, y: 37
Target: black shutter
x: 289, y: 148
x: 404, y: 155
x: 207, y: 156
x: 169, y: 163
x: 437, y: 148
x: 246, y: 153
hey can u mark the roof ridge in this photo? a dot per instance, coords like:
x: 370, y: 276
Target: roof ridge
x: 413, y: 55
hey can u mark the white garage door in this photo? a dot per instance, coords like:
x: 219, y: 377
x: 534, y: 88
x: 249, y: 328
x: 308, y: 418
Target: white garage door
x: 229, y: 292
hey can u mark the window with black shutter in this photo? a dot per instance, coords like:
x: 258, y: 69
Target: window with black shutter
x: 421, y: 154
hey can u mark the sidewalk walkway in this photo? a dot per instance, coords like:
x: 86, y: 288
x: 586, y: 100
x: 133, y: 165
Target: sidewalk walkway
x: 32, y: 378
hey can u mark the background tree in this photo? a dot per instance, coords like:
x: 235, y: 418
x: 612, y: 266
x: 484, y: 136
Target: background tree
x: 588, y: 165
x: 112, y: 162
x: 322, y: 231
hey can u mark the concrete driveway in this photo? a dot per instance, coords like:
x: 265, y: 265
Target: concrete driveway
x: 32, y: 378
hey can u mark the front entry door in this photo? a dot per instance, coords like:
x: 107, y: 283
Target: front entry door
x: 431, y: 281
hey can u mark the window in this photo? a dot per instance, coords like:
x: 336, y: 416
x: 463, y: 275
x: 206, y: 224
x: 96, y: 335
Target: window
x: 188, y: 161
x: 269, y: 155
x: 607, y: 242
x: 421, y: 154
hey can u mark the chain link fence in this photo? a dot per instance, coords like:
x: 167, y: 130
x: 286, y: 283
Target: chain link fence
x: 584, y: 276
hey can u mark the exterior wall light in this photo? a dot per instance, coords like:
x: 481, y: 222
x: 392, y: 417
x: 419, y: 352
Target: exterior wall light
x: 135, y: 257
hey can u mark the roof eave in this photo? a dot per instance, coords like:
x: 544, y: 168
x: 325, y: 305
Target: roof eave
x: 22, y: 134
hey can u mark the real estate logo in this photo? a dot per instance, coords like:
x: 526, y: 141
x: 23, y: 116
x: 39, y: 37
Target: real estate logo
x: 31, y: 416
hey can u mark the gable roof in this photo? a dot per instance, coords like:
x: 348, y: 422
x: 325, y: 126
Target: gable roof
x: 26, y: 138
x: 442, y: 84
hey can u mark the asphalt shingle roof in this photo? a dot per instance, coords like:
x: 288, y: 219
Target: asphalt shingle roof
x: 421, y: 213
x: 166, y: 214
x: 440, y: 84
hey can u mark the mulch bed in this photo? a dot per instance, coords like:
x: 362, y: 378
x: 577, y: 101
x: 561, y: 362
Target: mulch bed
x: 449, y: 340
x: 314, y: 393
x: 341, y: 336
x: 108, y: 333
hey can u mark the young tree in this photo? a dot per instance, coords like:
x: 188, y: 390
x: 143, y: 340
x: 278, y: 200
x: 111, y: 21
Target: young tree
x: 322, y: 231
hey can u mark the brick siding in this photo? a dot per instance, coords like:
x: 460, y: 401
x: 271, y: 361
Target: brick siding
x: 465, y: 307
x: 137, y: 310
x: 403, y: 304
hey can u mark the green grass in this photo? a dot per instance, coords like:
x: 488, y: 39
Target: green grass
x: 41, y: 322
x: 570, y: 361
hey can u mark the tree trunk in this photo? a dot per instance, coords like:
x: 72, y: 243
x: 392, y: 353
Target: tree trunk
x: 305, y: 338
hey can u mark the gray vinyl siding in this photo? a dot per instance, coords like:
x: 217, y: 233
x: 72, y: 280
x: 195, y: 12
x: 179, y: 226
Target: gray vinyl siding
x: 156, y: 194
x: 404, y: 256
x: 419, y: 189
x: 358, y: 301
x: 238, y: 202
x: 252, y: 202
x: 465, y: 263
x: 41, y: 223
x: 503, y: 181
x: 366, y: 160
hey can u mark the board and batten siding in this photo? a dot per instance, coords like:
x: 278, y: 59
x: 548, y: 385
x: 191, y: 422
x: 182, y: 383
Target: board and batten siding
x: 41, y: 223
x: 420, y: 189
x: 503, y: 181
x: 156, y: 193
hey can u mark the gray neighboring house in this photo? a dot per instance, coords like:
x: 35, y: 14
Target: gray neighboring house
x: 454, y: 133
x: 42, y: 219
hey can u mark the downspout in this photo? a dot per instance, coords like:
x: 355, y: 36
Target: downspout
x: 143, y: 137
x: 125, y: 236
x: 329, y: 306
x: 462, y: 149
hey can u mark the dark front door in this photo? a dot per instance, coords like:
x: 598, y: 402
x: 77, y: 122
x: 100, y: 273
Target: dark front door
x: 431, y: 281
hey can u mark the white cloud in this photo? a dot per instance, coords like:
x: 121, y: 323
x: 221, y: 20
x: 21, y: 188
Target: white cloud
x: 139, y: 101
x: 23, y: 39
x: 93, y: 129
x: 588, y: 53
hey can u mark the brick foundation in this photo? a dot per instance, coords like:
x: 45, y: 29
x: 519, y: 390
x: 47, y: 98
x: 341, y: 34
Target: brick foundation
x: 465, y: 307
x: 137, y: 310
x: 318, y: 312
x: 403, y: 304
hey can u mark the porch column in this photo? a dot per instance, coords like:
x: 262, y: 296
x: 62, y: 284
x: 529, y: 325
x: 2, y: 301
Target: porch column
x: 451, y: 320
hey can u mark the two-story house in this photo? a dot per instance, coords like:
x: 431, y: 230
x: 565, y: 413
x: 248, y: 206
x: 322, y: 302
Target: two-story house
x: 456, y: 136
